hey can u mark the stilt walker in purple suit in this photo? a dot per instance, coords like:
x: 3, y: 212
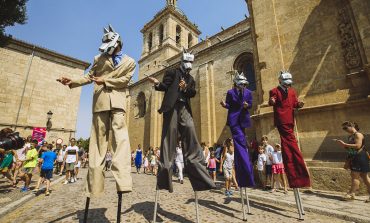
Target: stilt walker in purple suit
x: 238, y: 101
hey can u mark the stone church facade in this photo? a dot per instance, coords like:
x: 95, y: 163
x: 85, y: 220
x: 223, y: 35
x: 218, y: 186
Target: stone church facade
x: 216, y: 59
x: 324, y: 43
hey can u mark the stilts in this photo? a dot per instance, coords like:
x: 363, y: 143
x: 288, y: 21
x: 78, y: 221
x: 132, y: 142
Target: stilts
x: 86, y: 209
x: 248, y: 207
x: 119, y: 206
x: 298, y: 201
x: 196, y: 206
x: 155, y: 206
x: 242, y: 197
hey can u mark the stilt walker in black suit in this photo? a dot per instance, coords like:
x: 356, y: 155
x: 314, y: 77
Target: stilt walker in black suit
x: 179, y: 87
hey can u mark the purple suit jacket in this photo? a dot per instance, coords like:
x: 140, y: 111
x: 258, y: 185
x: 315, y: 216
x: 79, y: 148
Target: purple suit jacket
x: 237, y: 114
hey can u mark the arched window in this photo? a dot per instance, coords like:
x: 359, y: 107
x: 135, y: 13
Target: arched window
x: 244, y: 63
x: 150, y: 41
x: 190, y: 40
x: 141, y: 105
x: 161, y: 34
x: 178, y: 35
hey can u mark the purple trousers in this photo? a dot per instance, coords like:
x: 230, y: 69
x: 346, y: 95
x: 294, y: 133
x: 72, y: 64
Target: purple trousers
x: 243, y: 165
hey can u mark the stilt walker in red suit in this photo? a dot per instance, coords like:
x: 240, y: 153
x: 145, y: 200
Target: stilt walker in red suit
x: 284, y: 100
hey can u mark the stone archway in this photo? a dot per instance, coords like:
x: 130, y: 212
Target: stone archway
x: 140, y: 105
x: 244, y: 63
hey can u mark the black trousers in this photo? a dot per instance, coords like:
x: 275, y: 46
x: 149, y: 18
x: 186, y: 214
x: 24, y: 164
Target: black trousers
x: 179, y: 122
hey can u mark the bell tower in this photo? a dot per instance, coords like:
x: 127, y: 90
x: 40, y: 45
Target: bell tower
x: 164, y: 37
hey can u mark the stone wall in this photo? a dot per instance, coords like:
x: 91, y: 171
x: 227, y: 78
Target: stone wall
x: 325, y: 46
x: 36, y: 75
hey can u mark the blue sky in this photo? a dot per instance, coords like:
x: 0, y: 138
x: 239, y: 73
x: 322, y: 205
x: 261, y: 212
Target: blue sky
x: 74, y: 28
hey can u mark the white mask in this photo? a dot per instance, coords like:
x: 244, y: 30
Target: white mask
x: 285, y: 77
x: 240, y: 80
x: 187, y: 66
x: 111, y: 40
x: 187, y: 60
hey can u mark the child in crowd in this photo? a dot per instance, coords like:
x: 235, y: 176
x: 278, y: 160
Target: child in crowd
x: 29, y: 165
x: 268, y: 170
x: 153, y: 163
x: 278, y: 169
x: 261, y: 162
x: 227, y: 161
x: 61, y: 161
x: 146, y: 163
x: 211, y: 165
x: 42, y: 148
x: 20, y: 157
x: 48, y: 158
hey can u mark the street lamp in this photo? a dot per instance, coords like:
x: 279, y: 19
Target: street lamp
x: 48, y: 123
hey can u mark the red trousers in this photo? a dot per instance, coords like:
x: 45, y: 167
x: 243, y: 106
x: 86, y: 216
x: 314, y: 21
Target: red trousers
x: 295, y: 167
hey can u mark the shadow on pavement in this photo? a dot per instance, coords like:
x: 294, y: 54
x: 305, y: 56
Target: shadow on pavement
x: 269, y: 208
x: 147, y: 209
x: 220, y: 208
x: 323, y: 195
x: 95, y: 215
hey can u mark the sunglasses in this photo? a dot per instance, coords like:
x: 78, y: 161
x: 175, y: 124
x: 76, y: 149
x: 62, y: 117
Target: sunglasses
x: 345, y: 128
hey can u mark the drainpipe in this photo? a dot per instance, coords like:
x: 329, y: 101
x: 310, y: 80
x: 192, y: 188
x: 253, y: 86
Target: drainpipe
x: 24, y: 87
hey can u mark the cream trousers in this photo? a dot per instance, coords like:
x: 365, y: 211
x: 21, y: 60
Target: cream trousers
x: 103, y: 124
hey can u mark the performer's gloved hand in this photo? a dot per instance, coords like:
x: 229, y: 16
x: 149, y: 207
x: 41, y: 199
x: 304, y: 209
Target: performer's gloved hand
x: 245, y: 104
x: 182, y: 85
x: 153, y: 80
x: 65, y: 80
x: 300, y: 104
x: 98, y: 80
x: 272, y: 101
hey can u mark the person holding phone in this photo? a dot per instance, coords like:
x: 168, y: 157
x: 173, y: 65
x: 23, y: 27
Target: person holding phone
x: 358, y: 158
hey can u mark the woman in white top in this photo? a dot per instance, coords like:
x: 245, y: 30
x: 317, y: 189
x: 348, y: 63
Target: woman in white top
x: 179, y: 161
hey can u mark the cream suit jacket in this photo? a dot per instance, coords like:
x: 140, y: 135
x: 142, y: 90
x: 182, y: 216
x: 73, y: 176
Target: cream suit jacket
x: 111, y: 95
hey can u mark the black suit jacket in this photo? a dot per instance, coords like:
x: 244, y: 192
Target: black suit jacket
x: 170, y: 85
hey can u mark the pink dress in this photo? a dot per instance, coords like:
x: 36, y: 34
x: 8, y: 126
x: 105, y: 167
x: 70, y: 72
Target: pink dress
x: 277, y: 163
x: 212, y: 163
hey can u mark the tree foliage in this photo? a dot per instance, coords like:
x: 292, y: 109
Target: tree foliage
x: 84, y: 143
x: 11, y: 12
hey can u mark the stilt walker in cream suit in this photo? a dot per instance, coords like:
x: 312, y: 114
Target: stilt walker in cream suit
x: 110, y: 73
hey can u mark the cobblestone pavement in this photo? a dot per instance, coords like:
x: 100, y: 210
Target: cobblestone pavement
x: 8, y: 194
x: 66, y: 204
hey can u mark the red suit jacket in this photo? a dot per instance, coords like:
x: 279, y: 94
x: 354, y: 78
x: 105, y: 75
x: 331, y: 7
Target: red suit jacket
x: 285, y: 104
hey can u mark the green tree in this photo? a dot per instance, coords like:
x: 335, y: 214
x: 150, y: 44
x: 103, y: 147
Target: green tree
x: 85, y: 143
x: 11, y: 12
